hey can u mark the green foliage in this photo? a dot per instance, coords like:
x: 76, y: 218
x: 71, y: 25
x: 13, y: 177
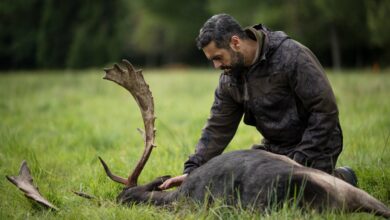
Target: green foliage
x: 311, y: 22
x: 99, y: 34
x: 378, y: 23
x: 379, y: 27
x: 166, y: 30
x: 19, y: 23
x: 81, y: 34
x: 55, y: 32
x: 61, y: 121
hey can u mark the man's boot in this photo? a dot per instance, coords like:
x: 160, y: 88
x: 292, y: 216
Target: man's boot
x: 347, y: 174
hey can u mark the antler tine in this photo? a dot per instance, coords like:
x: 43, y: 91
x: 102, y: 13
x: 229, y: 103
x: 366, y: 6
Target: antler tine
x: 128, y: 65
x: 115, y: 178
x: 133, y: 81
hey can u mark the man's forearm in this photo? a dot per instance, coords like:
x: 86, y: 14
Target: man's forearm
x: 192, y: 163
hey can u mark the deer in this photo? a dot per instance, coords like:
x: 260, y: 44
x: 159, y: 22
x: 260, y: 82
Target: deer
x: 252, y: 178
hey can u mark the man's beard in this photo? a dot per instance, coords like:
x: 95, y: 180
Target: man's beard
x: 237, y: 66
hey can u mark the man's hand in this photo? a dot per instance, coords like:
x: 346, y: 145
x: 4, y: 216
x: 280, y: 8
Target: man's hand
x: 172, y: 182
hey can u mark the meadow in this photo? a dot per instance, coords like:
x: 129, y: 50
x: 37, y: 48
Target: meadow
x: 61, y: 121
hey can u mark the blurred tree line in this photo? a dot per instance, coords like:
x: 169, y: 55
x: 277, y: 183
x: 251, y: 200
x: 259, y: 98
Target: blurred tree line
x: 90, y: 33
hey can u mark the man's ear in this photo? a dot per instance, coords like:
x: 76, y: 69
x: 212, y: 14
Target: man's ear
x: 235, y: 43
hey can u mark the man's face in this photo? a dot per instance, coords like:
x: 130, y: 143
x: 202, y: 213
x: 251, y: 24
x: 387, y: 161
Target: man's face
x: 224, y: 59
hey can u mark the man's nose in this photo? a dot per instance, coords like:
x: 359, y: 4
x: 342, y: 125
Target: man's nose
x: 217, y: 64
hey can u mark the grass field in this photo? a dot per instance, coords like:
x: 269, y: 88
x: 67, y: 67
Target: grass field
x: 60, y: 123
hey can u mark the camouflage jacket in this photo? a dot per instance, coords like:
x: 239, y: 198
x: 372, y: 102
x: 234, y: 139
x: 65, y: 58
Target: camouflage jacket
x: 286, y: 95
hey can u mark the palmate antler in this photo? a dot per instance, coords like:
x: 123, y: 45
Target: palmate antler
x: 133, y: 81
x: 24, y: 182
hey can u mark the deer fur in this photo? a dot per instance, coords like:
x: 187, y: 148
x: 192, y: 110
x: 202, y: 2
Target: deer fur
x: 260, y: 179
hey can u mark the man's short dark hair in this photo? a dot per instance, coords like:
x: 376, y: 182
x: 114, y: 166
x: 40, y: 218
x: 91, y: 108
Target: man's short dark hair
x: 219, y: 28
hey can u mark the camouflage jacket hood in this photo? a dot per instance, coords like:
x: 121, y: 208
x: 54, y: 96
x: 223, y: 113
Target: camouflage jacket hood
x: 286, y: 95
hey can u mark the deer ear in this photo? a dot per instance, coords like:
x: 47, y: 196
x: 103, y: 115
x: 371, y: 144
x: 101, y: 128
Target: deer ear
x: 153, y: 186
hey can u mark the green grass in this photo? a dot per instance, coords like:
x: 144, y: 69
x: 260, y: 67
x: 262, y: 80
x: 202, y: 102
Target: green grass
x: 60, y: 123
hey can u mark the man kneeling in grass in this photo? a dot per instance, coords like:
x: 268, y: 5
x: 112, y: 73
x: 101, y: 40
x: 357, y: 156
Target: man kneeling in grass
x: 278, y: 86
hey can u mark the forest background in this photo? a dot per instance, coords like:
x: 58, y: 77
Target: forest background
x: 48, y: 34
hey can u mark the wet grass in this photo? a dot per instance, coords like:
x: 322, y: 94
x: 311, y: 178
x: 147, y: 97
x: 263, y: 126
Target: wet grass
x: 60, y: 123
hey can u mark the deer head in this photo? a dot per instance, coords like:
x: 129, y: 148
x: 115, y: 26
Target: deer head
x: 147, y: 193
x: 133, y: 81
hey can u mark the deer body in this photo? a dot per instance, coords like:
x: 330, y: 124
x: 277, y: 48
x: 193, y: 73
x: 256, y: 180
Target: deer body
x: 259, y: 179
